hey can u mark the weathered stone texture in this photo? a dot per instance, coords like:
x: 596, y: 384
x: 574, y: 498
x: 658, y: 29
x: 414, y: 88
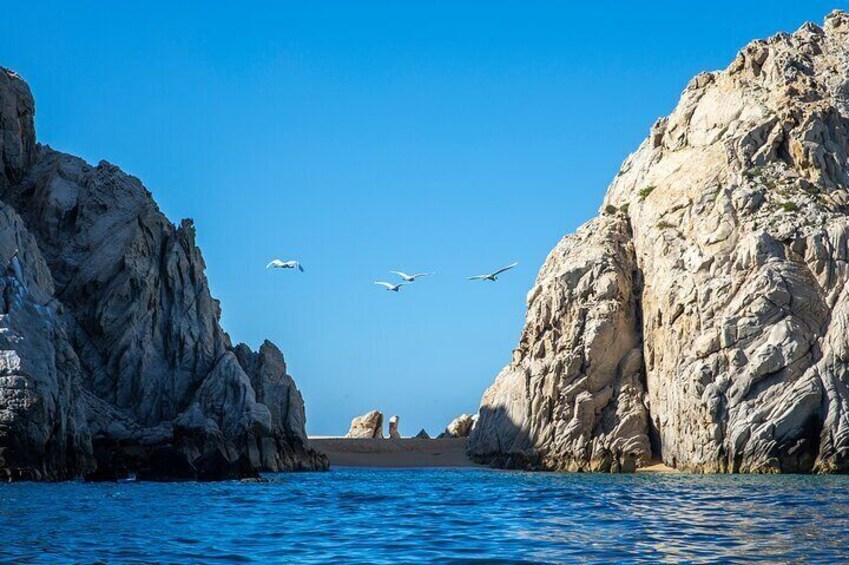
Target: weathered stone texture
x: 113, y: 338
x: 369, y: 425
x: 731, y: 256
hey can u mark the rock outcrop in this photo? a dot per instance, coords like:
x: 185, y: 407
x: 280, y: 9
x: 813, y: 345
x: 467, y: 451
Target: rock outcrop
x: 703, y: 318
x: 422, y: 434
x: 573, y: 397
x: 43, y: 431
x: 367, y: 426
x: 459, y: 427
x: 114, y: 360
x: 393, y: 428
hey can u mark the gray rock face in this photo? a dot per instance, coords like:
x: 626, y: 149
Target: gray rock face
x: 369, y: 425
x: 43, y: 429
x: 17, y: 132
x: 285, y: 447
x: 128, y: 310
x: 139, y: 309
x: 422, y: 434
x: 703, y: 319
x: 573, y: 397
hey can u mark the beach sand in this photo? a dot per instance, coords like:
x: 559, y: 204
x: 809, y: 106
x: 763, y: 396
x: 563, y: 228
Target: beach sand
x: 657, y: 467
x: 405, y: 452
x: 411, y: 453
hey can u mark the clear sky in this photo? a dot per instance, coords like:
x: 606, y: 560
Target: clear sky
x: 361, y: 137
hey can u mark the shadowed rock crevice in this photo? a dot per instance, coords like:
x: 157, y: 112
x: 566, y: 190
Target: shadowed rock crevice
x: 652, y: 421
x: 573, y: 397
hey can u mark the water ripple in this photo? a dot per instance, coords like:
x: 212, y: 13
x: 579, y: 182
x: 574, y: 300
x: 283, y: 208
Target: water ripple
x: 432, y: 516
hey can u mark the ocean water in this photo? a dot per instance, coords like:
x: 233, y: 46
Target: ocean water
x: 432, y: 516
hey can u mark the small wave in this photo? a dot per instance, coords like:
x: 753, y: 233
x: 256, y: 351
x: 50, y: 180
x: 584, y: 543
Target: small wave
x: 432, y: 516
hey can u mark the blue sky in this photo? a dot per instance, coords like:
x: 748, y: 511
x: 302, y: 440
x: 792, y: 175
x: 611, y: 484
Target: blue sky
x: 361, y: 137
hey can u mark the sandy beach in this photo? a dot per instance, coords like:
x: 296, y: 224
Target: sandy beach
x: 411, y: 453
x: 657, y: 467
x: 405, y: 452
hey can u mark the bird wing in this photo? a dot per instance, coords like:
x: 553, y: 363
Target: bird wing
x: 386, y: 284
x: 274, y: 263
x: 477, y: 277
x: 417, y: 275
x: 401, y: 274
x: 502, y: 269
x: 300, y: 267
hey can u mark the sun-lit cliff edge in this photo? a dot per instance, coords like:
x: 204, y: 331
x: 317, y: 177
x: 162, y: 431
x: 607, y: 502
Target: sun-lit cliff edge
x: 703, y: 317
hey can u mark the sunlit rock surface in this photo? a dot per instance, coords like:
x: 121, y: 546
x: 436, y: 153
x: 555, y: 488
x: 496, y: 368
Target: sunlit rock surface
x: 459, y: 427
x: 369, y: 425
x: 703, y: 317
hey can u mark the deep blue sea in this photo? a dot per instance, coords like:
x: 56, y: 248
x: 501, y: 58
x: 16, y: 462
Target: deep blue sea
x: 432, y: 516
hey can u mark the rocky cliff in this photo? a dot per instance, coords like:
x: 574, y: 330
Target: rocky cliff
x: 703, y: 317
x: 112, y: 353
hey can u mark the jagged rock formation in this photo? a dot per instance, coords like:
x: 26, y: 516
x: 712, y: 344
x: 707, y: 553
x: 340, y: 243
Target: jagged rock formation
x: 112, y: 348
x: 577, y: 370
x: 367, y: 426
x: 459, y: 427
x: 703, y: 318
x: 393, y: 428
x: 43, y: 432
x: 422, y: 434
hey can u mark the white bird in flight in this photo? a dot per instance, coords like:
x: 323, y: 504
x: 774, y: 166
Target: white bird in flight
x: 492, y: 276
x: 278, y: 264
x: 390, y: 286
x: 410, y: 278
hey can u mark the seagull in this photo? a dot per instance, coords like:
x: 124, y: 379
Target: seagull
x: 278, y: 264
x: 390, y: 286
x: 493, y: 276
x: 410, y: 278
